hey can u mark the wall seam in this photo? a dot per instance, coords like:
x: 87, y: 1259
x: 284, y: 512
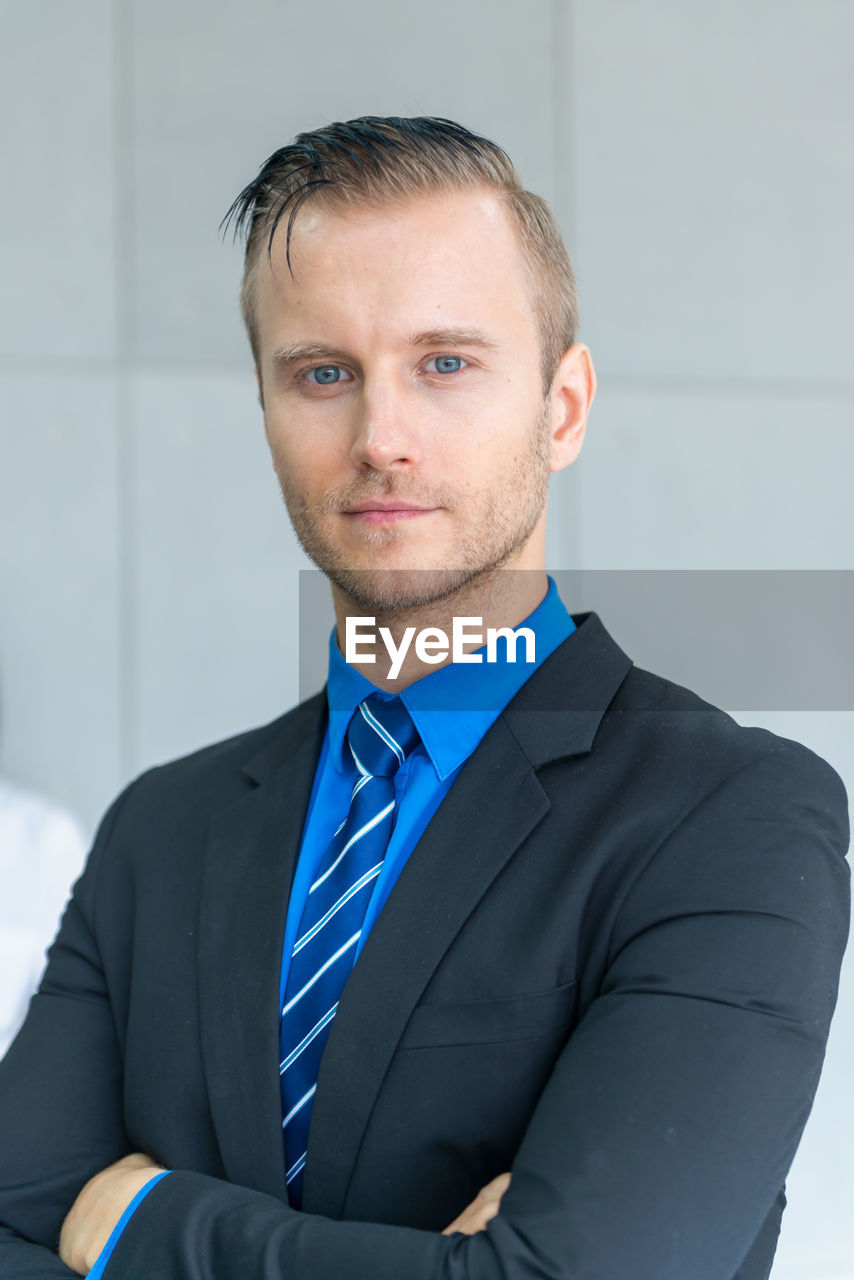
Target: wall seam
x: 125, y: 426
x: 567, y: 538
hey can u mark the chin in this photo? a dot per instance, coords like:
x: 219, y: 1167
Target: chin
x: 385, y: 590
x: 392, y: 589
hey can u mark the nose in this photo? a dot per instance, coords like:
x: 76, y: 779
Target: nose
x: 386, y: 436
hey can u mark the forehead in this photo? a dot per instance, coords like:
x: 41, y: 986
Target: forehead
x: 450, y: 259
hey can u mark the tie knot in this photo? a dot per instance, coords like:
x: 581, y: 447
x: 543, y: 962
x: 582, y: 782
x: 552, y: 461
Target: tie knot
x: 381, y: 736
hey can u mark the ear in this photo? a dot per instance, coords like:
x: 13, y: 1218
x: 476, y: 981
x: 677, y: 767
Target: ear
x: 571, y: 395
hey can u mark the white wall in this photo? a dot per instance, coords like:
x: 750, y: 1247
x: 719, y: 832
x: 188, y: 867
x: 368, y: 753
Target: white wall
x: 696, y: 157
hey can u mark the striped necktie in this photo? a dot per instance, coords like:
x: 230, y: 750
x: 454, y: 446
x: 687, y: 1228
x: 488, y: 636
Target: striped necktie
x: 379, y: 737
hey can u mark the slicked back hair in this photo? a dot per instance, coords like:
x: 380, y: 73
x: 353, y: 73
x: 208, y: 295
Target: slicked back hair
x: 385, y: 160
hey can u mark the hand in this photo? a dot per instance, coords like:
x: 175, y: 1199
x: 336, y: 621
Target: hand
x: 484, y: 1207
x: 98, y: 1208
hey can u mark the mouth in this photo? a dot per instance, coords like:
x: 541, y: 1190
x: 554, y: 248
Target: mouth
x: 392, y: 510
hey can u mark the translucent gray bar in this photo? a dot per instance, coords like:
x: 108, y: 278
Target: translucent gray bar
x: 775, y: 640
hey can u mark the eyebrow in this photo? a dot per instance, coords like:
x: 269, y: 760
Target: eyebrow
x: 287, y: 356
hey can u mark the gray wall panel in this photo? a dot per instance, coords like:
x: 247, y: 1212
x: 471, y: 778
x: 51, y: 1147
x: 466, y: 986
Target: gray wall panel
x: 714, y: 197
x: 216, y: 567
x: 715, y: 478
x: 59, y: 652
x: 57, y: 245
x: 217, y: 88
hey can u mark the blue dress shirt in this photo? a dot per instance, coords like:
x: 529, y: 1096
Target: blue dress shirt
x: 452, y: 708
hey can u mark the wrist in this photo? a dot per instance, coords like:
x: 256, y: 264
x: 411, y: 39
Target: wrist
x: 99, y: 1209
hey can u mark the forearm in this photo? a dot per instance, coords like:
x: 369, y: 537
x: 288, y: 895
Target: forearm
x: 191, y: 1227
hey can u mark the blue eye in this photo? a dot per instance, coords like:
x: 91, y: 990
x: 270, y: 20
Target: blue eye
x: 326, y: 374
x: 445, y: 364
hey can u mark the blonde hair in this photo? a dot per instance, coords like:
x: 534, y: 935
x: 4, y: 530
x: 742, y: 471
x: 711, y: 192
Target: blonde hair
x: 384, y: 160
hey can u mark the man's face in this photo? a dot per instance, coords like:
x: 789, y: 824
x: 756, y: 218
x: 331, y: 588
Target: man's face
x: 399, y: 444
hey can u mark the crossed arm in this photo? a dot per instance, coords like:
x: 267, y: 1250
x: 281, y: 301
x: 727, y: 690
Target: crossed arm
x: 102, y: 1202
x: 658, y: 1145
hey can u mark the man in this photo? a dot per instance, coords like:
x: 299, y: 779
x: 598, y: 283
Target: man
x: 596, y: 926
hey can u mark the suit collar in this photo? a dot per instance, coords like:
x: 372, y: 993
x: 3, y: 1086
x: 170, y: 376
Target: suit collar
x: 287, y: 736
x: 558, y: 711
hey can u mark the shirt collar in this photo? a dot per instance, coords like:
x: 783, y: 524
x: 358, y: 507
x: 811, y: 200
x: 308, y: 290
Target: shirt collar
x: 452, y: 707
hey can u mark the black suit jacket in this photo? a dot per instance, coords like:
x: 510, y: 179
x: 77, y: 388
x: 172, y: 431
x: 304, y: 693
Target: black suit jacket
x: 609, y: 965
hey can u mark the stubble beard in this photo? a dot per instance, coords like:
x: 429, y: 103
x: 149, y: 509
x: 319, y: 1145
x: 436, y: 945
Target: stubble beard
x: 504, y: 524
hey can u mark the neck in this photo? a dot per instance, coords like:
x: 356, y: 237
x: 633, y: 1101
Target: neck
x: 388, y: 647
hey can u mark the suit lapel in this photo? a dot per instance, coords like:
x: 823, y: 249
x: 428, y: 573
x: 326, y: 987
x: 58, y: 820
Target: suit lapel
x: 248, y: 870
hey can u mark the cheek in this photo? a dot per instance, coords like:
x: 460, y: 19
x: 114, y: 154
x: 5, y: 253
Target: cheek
x: 298, y: 452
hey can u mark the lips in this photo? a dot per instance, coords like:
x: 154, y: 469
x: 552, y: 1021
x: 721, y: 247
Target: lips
x: 377, y: 512
x: 391, y: 505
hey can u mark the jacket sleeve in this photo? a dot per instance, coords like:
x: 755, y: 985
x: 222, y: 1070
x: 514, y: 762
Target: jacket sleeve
x: 60, y: 1092
x: 663, y: 1137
